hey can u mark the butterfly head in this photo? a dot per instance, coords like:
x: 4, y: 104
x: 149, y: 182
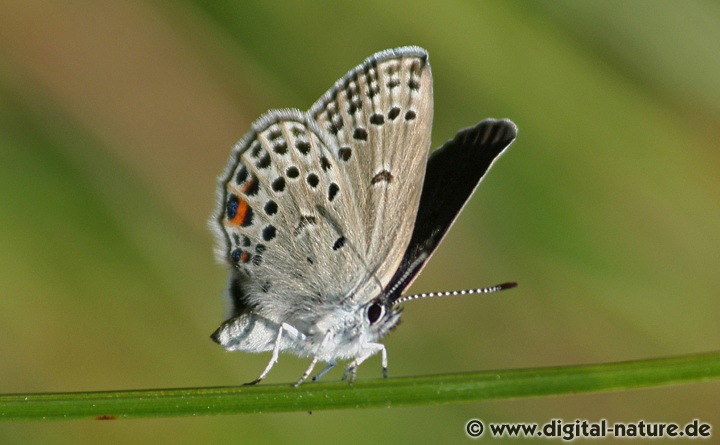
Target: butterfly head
x: 354, y: 326
x: 378, y: 318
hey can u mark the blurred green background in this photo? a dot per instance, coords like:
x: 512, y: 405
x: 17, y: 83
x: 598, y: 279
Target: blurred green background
x: 115, y: 119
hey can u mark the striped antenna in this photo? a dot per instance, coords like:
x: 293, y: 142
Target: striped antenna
x: 402, y: 281
x: 483, y: 290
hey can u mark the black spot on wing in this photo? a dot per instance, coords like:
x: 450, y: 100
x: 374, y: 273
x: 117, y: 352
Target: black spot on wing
x: 393, y: 113
x: 303, y: 147
x: 344, y: 153
x: 383, y: 176
x: 340, y: 242
x: 360, y: 134
x: 264, y: 161
x: 278, y: 184
x: 271, y: 207
x: 242, y: 175
x: 313, y: 180
x: 269, y: 233
x: 292, y: 172
x: 333, y: 190
x: 325, y: 163
x: 281, y: 147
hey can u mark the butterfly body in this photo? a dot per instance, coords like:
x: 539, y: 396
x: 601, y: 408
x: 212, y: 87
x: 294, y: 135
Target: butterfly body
x: 325, y: 216
x: 347, y: 324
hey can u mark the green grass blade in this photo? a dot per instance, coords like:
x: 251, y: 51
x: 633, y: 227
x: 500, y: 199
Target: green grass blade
x: 372, y: 393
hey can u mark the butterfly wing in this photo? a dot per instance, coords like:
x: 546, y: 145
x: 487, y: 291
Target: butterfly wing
x: 453, y: 173
x: 317, y: 207
x: 380, y: 118
x: 267, y: 223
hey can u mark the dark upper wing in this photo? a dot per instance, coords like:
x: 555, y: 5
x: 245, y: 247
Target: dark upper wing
x: 453, y: 172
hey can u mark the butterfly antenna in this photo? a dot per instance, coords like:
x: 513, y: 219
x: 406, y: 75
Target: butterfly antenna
x: 482, y: 290
x: 408, y: 273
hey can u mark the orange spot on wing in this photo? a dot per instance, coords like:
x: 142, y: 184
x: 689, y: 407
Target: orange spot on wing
x: 244, y: 257
x: 242, y: 209
x: 243, y: 216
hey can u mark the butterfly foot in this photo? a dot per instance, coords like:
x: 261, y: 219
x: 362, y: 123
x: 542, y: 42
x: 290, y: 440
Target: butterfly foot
x: 253, y: 383
x: 300, y: 382
x: 350, y: 374
x: 384, y: 372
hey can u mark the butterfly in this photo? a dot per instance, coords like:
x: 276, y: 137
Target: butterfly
x: 325, y: 217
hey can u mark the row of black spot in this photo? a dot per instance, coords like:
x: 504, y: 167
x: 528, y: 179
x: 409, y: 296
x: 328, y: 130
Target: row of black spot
x: 279, y: 146
x: 392, y: 70
x: 312, y: 179
x: 268, y: 233
x: 278, y: 185
x: 245, y: 239
x: 344, y: 153
x: 360, y: 133
x: 245, y: 256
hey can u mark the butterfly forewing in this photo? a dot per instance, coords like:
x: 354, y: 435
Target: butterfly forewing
x: 380, y: 117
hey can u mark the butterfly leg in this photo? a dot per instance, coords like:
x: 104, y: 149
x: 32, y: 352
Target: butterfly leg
x: 384, y: 361
x: 331, y: 365
x: 367, y: 351
x: 314, y: 361
x: 292, y: 332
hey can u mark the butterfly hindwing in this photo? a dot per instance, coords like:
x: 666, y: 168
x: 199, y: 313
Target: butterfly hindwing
x: 453, y: 173
x: 268, y: 223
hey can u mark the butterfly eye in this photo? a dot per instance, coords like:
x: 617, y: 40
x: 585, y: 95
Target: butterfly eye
x: 374, y: 312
